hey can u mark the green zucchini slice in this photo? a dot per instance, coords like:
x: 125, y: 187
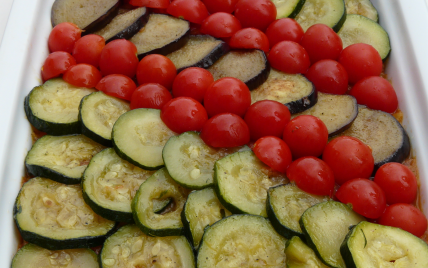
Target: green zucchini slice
x: 242, y: 182
x: 299, y: 255
x: 55, y: 216
x: 109, y: 184
x: 241, y: 241
x: 61, y: 158
x: 288, y: 8
x: 129, y: 247
x: 362, y: 7
x: 329, y: 12
x: 54, y: 107
x: 32, y: 256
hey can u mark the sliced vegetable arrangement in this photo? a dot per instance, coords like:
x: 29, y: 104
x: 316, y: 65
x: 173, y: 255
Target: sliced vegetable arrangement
x: 237, y: 134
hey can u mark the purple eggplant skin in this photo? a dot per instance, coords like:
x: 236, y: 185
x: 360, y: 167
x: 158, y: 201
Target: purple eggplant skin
x: 304, y: 103
x: 168, y: 48
x: 260, y: 78
x: 133, y: 28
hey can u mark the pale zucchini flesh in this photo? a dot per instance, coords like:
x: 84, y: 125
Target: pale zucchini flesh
x: 362, y: 7
x: 329, y: 12
x: 288, y: 8
x: 299, y: 255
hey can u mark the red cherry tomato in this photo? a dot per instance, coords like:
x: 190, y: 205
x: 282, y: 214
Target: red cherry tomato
x: 117, y: 85
x: 88, y: 49
x: 366, y: 197
x: 192, y: 82
x: 225, y: 130
x: 150, y: 3
x: 156, y: 69
x: 119, y: 57
x: 312, y: 175
x: 214, y: 6
x: 255, y: 13
x: 328, y: 76
x: 220, y: 25
x: 285, y: 29
x: 274, y: 152
x: 82, y: 75
x: 63, y: 37
x: 227, y: 95
x: 267, y: 118
x: 376, y: 93
x: 398, y: 182
x: 56, y: 64
x: 250, y: 38
x: 349, y: 158
x: 150, y: 95
x: 191, y: 10
x: 360, y: 61
x: 406, y: 217
x: 289, y: 57
x: 306, y: 135
x: 321, y: 42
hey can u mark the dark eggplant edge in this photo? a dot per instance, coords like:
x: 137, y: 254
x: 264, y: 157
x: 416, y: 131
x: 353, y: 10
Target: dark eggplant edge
x: 131, y: 30
x: 304, y: 103
x: 261, y: 77
x: 347, y: 125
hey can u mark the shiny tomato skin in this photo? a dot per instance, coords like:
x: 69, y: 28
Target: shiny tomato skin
x: 117, y: 85
x: 398, y: 182
x: 250, y: 38
x: 88, y: 49
x: 63, y: 37
x: 349, y: 158
x: 312, y: 175
x: 150, y: 3
x: 328, y: 76
x: 192, y: 82
x: 150, y: 95
x: 220, y: 25
x: 321, y: 42
x: 255, y: 13
x: 376, y: 93
x: 289, y: 57
x: 406, y: 217
x: 285, y: 29
x: 82, y: 75
x: 119, y: 57
x: 274, y: 152
x: 192, y: 10
x: 306, y: 135
x: 365, y: 196
x: 156, y: 68
x: 225, y: 130
x: 214, y: 6
x: 56, y: 64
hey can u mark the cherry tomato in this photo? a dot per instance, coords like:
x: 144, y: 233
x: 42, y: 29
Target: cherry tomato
x: 220, y: 25
x: 119, y: 57
x: 365, y: 196
x: 214, y: 6
x: 227, y: 95
x: 255, y: 13
x: 156, y: 69
x: 321, y: 42
x: 398, y: 182
x: 56, y: 64
x: 82, y: 75
x: 250, y: 38
x: 150, y: 3
x: 360, y: 61
x: 267, y: 118
x: 184, y: 114
x: 312, y: 175
x: 328, y: 76
x: 306, y: 135
x: 225, y: 130
x: 289, y: 57
x: 191, y: 10
x: 88, y: 49
x: 150, y: 95
x: 274, y: 152
x: 376, y: 93
x: 63, y: 37
x: 117, y: 85
x: 349, y: 158
x: 285, y: 29
x: 192, y: 82
x: 406, y: 217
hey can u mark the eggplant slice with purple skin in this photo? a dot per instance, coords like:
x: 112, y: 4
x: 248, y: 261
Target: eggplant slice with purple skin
x: 90, y: 16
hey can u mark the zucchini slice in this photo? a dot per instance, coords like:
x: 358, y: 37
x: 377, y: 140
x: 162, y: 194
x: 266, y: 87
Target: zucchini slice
x: 359, y: 29
x: 285, y: 205
x: 97, y: 113
x: 242, y: 182
x: 241, y: 241
x: 199, y: 51
x: 299, y: 255
x: 159, y: 187
x: 54, y: 107
x: 129, y: 247
x: 32, y: 256
x: 288, y: 8
x: 109, y: 184
x: 139, y: 137
x: 362, y: 7
x: 325, y: 226
x: 55, y: 216
x: 370, y: 245
x: 250, y: 66
x: 294, y: 90
x: 62, y: 159
x: 329, y: 12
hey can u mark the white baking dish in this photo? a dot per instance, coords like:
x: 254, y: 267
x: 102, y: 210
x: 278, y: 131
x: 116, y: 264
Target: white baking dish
x: 24, y: 48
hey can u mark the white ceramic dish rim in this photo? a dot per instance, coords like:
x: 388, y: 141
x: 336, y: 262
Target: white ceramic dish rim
x: 23, y: 50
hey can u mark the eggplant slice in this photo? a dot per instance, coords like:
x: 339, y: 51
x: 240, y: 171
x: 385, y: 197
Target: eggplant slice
x: 294, y: 90
x: 336, y: 111
x: 250, y: 66
x: 199, y: 51
x: 162, y: 34
x: 90, y: 16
